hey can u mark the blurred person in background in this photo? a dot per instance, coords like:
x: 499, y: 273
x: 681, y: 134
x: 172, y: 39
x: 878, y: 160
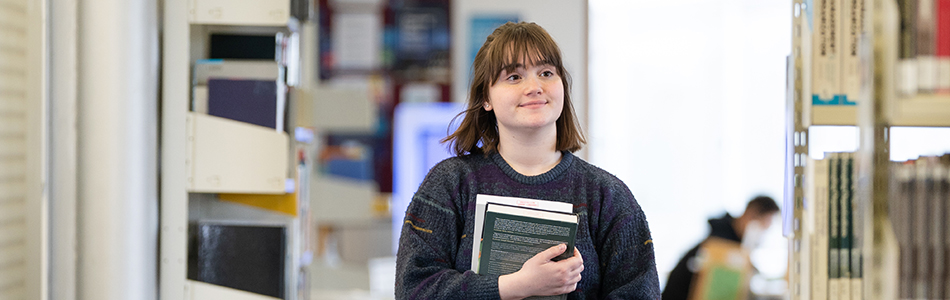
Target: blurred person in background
x: 746, y: 230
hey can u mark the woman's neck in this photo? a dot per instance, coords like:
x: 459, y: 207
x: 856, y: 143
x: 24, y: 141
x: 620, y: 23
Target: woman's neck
x: 530, y: 155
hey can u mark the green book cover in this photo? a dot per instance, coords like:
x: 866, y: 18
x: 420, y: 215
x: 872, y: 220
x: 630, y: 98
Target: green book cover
x: 846, y: 198
x: 834, y: 215
x: 512, y: 235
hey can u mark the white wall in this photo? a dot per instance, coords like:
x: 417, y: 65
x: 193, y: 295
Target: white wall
x: 687, y: 107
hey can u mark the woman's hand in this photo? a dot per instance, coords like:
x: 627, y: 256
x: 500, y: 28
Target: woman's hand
x: 540, y: 276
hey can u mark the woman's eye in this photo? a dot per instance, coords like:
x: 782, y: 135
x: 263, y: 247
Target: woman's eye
x: 547, y: 74
x: 514, y: 77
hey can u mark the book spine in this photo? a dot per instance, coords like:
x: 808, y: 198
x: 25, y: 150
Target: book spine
x: 847, y: 236
x: 826, y: 54
x: 834, y: 225
x: 853, y: 28
x: 942, y: 46
x: 857, y: 235
x: 921, y: 264
x: 945, y: 183
x: 847, y: 223
x: 939, y: 264
x: 902, y: 209
x: 820, y: 248
x: 907, y: 50
x: 926, y: 64
x: 844, y: 206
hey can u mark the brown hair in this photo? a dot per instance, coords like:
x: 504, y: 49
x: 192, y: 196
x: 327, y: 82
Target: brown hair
x: 761, y: 205
x: 508, y: 43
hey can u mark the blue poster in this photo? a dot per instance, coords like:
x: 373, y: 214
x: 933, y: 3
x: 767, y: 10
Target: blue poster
x: 482, y: 26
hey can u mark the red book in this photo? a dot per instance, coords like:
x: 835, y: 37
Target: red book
x: 942, y: 45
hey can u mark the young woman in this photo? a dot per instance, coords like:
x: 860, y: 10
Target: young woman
x: 516, y: 139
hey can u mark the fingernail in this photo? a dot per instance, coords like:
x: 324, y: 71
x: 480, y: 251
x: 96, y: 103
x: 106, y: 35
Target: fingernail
x: 562, y: 246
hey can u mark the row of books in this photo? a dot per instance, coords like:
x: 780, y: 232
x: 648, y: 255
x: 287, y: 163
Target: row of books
x: 837, y: 28
x: 920, y: 210
x: 836, y: 239
x: 245, y: 79
x: 924, y: 51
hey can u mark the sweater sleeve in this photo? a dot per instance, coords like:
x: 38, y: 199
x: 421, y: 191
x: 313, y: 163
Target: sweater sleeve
x: 627, y: 257
x: 426, y: 266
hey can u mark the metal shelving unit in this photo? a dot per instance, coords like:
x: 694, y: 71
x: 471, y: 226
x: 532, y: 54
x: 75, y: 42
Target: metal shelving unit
x: 874, y: 118
x: 185, y: 151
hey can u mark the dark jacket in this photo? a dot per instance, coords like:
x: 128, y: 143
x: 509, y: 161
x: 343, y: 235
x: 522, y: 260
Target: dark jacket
x: 678, y: 284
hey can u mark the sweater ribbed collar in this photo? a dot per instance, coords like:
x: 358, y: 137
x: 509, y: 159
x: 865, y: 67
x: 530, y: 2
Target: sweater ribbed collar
x: 566, y: 159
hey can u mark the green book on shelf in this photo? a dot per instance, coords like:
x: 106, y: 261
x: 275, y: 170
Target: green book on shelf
x: 834, y: 222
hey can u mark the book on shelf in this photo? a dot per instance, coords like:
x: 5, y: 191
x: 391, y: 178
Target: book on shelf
x: 907, y: 48
x: 856, y: 231
x: 513, y: 234
x: 837, y: 237
x: 942, y: 46
x: 834, y: 237
x: 926, y: 63
x: 206, y: 69
x: 852, y: 30
x: 245, y: 46
x: 249, y: 257
x: 944, y: 240
x: 845, y: 234
x: 945, y: 192
x: 937, y: 226
x: 235, y: 68
x: 850, y: 248
x: 826, y: 53
x: 924, y: 47
x: 259, y: 102
x: 901, y: 212
x: 920, y: 212
x: 820, y: 237
x: 921, y: 227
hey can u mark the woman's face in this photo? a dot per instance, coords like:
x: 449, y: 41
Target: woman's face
x: 526, y: 97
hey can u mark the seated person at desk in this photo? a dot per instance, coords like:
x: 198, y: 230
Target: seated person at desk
x: 747, y: 230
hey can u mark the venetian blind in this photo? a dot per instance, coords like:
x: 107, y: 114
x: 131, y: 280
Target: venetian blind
x: 13, y: 119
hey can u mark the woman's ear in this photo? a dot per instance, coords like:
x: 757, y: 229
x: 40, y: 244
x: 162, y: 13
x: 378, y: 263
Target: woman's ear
x: 487, y: 106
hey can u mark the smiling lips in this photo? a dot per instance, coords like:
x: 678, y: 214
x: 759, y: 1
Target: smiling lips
x: 533, y: 103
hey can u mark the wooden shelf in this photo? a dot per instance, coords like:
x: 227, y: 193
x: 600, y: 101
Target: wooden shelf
x: 227, y: 156
x: 922, y: 110
x: 919, y: 111
x: 834, y: 115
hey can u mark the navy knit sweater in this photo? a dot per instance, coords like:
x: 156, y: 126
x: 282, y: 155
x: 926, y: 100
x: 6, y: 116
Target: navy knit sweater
x: 435, y: 247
